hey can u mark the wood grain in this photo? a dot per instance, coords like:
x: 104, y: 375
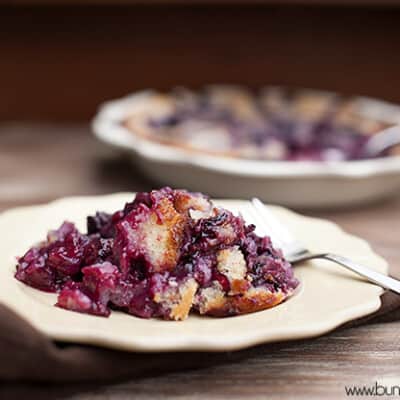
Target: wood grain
x: 41, y: 162
x: 315, y: 369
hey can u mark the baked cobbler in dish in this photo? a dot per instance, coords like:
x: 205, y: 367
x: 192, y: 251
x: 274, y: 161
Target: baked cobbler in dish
x: 274, y: 124
x: 164, y: 254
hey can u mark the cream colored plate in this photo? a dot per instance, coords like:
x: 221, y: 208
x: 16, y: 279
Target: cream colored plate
x: 328, y: 297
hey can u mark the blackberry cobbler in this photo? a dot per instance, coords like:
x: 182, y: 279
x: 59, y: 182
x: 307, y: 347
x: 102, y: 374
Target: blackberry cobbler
x: 272, y: 124
x: 164, y: 254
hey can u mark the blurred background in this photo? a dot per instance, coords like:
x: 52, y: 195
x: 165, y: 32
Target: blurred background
x: 59, y: 60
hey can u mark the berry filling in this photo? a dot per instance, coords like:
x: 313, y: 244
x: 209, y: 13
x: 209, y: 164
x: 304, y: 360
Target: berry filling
x: 164, y: 254
x: 275, y: 124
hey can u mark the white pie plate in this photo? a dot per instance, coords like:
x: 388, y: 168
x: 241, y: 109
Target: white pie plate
x: 328, y: 297
x: 293, y: 184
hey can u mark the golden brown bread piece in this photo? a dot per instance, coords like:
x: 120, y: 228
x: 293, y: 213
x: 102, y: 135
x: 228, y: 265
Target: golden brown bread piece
x: 213, y: 301
x: 161, y: 236
x: 177, y: 299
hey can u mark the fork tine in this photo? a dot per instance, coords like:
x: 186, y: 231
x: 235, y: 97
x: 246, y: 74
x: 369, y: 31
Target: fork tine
x: 280, y: 236
x: 276, y: 228
x: 247, y: 216
x: 252, y: 216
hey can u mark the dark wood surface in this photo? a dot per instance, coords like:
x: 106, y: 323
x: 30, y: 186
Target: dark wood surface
x: 75, y: 57
x: 40, y: 162
x: 375, y: 3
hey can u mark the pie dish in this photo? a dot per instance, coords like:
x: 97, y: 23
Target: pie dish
x: 315, y: 308
x: 167, y: 252
x: 309, y: 167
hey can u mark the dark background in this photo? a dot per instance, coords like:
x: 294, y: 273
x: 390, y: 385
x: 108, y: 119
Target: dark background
x: 58, y: 62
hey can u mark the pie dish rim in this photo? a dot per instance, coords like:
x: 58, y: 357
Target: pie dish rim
x: 107, y: 126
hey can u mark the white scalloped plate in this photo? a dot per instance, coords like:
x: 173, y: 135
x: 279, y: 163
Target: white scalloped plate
x: 329, y: 295
x: 294, y: 184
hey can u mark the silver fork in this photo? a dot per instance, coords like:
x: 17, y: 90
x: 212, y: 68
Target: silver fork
x: 295, y: 252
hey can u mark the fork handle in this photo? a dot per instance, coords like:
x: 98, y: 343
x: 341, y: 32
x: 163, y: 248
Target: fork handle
x: 380, y: 279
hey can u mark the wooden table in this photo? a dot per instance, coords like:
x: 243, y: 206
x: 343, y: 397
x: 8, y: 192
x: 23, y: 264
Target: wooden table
x: 39, y: 163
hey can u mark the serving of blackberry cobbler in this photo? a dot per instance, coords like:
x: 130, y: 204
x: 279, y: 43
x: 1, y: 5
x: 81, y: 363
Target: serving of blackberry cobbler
x: 164, y: 254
